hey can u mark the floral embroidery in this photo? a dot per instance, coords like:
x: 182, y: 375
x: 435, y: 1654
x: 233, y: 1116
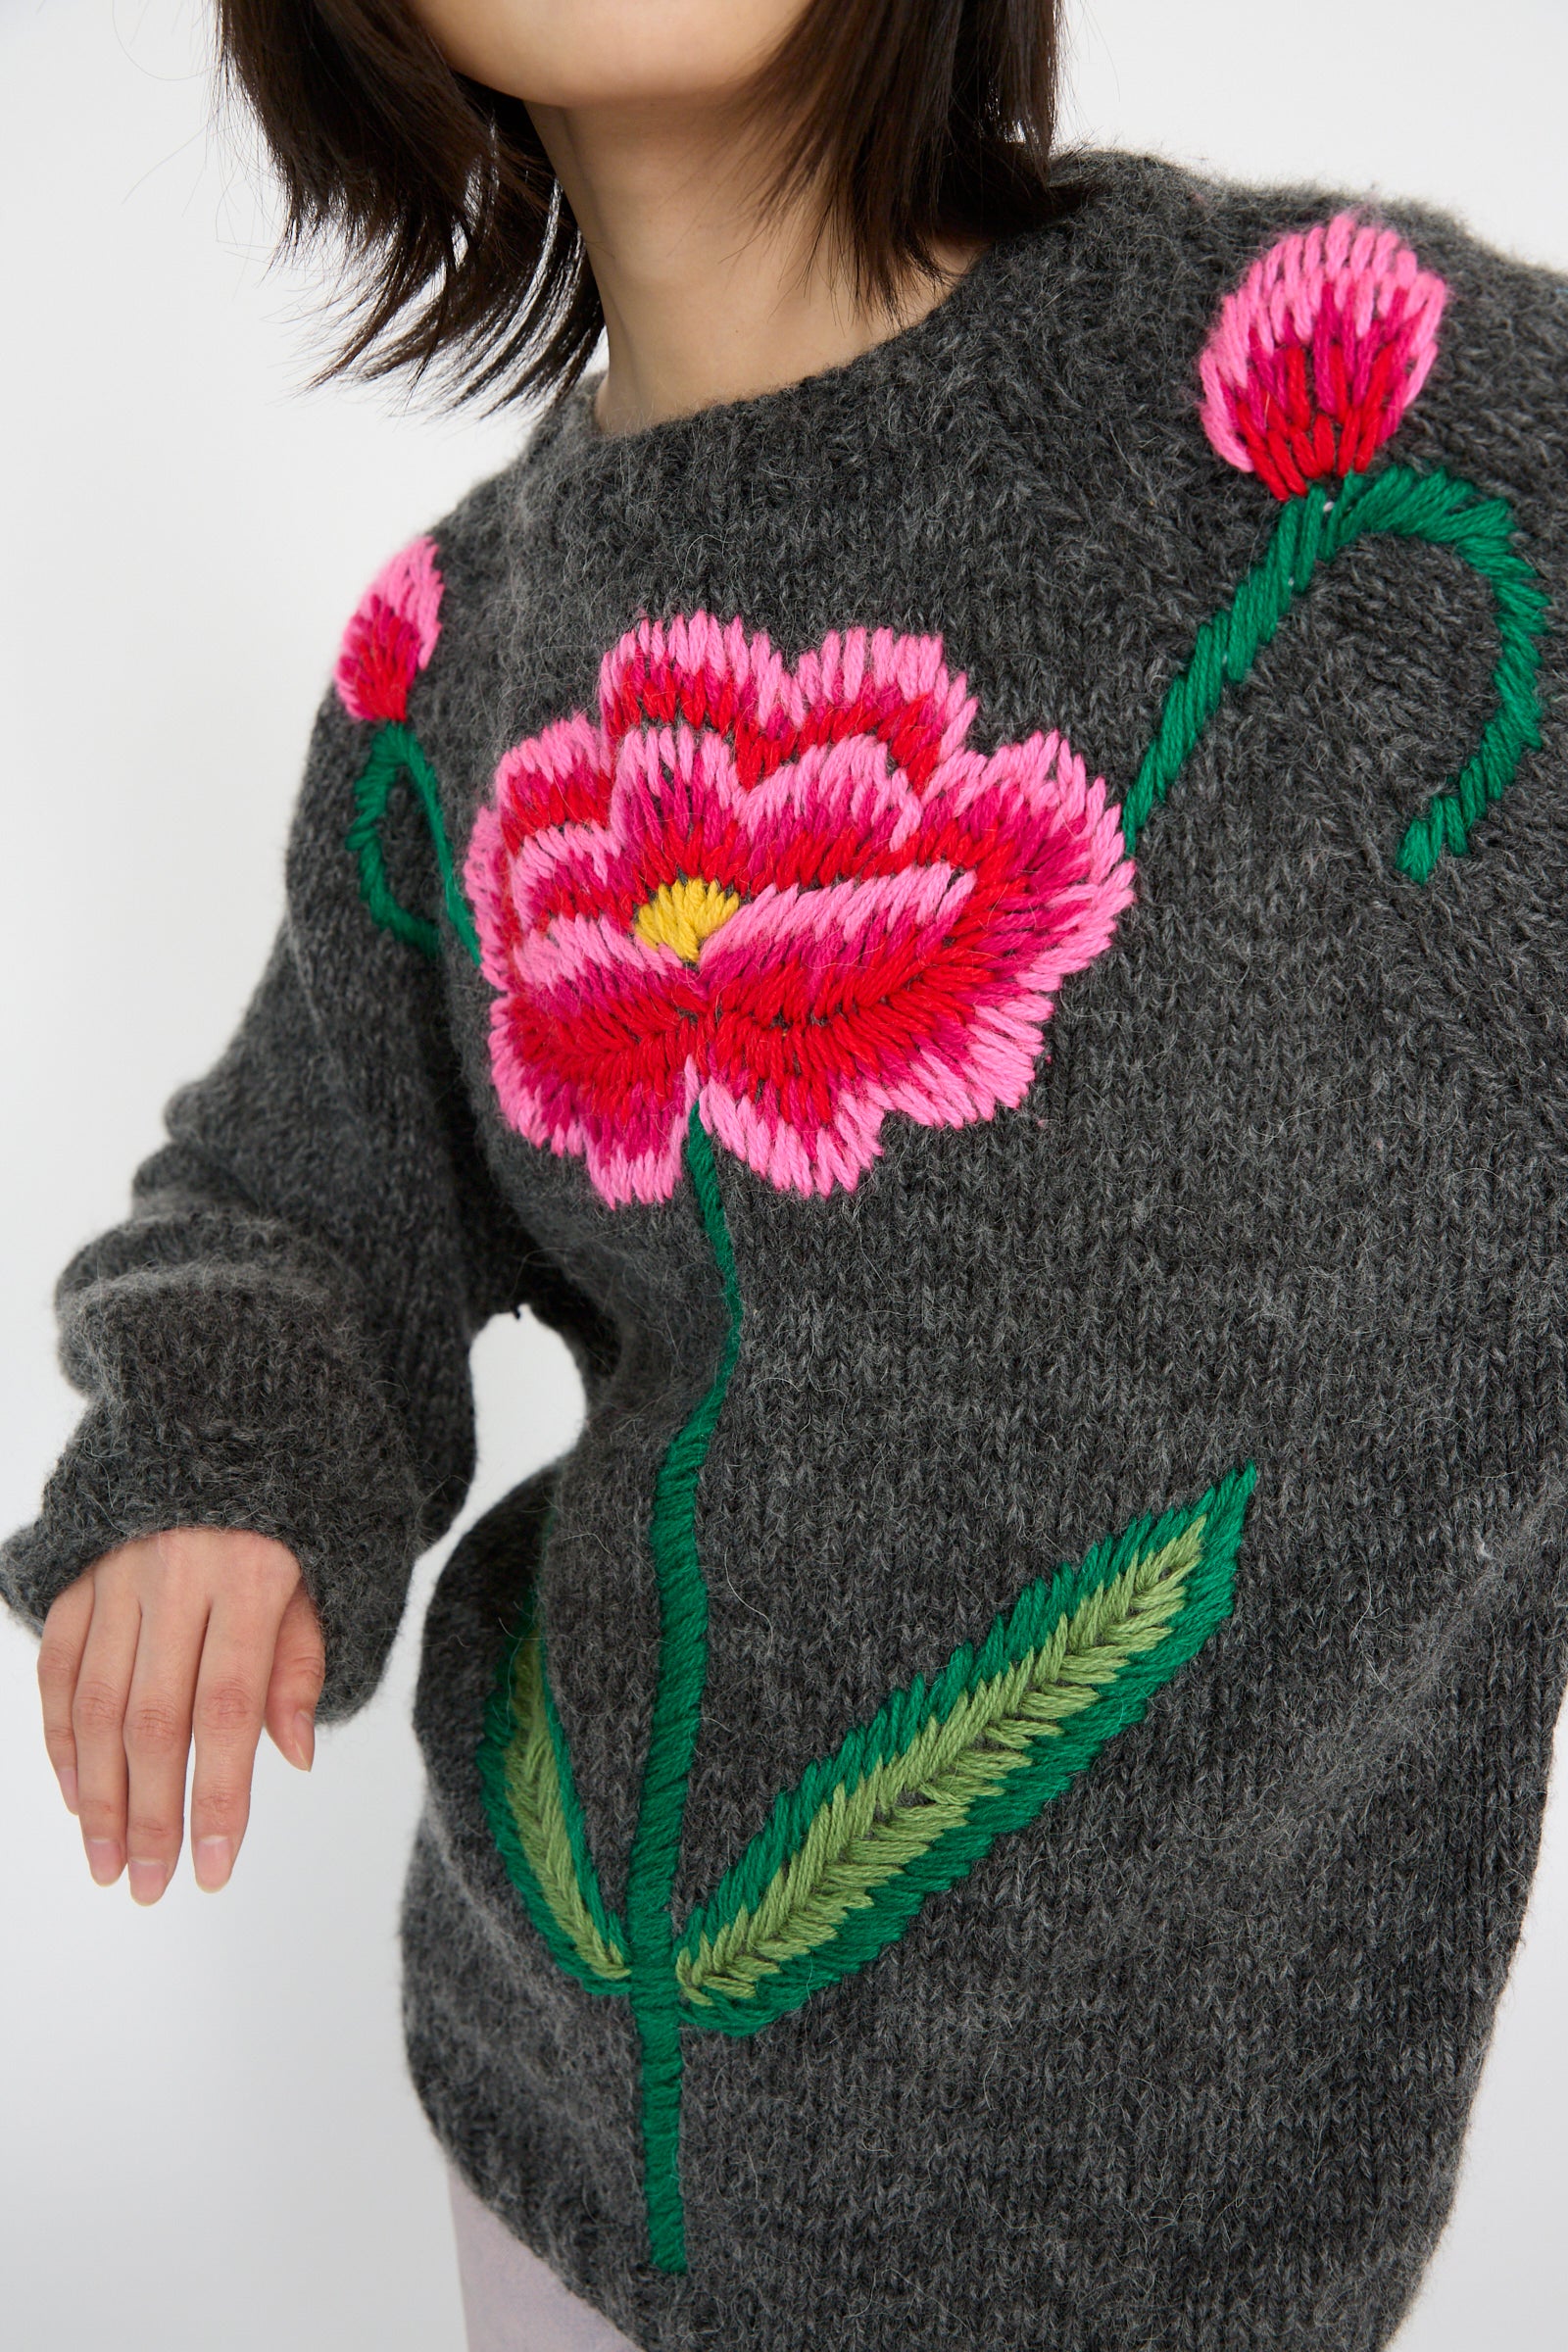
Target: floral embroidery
x: 909, y: 1800
x: 387, y: 642
x: 906, y: 1804
x: 1311, y: 364
x: 391, y: 636
x: 1315, y: 357
x: 766, y: 906
x: 794, y: 897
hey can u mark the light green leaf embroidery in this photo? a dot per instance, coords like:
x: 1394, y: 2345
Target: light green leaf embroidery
x: 915, y: 1798
x: 537, y: 1821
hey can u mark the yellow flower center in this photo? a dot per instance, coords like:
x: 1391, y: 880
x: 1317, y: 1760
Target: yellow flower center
x: 682, y: 914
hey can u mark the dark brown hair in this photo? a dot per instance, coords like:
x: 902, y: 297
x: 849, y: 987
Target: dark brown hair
x: 908, y: 119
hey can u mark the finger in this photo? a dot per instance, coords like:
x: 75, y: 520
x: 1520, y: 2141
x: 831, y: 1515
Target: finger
x: 98, y: 1725
x: 299, y: 1668
x: 236, y: 1666
x: 64, y: 1638
x: 158, y: 1721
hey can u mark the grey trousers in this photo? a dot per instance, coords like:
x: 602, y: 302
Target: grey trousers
x: 511, y: 2301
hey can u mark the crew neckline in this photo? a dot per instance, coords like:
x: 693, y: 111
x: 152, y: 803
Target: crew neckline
x: 906, y: 337
x: 572, y: 422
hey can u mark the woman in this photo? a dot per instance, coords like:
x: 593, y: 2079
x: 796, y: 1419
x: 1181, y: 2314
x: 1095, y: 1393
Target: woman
x: 988, y: 1799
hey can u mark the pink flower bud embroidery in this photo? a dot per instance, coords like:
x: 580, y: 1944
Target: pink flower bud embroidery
x: 391, y: 636
x: 1315, y: 357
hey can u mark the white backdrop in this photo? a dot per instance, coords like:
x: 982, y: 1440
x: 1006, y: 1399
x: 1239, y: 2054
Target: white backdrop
x: 207, y: 2139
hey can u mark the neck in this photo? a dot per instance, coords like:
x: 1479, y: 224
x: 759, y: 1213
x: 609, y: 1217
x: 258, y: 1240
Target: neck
x: 705, y: 299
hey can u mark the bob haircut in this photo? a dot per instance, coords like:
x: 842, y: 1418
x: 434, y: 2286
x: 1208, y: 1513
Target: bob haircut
x: 904, y: 119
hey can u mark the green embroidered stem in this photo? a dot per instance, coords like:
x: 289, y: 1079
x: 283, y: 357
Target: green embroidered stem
x: 395, y: 752
x: 673, y: 1740
x: 1435, y: 506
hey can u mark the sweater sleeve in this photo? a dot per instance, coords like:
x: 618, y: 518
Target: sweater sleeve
x: 278, y: 1336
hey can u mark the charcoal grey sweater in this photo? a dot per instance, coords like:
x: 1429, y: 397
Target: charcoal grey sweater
x: 986, y: 936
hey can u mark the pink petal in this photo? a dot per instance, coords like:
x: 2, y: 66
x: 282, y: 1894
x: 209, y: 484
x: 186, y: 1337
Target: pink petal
x: 1377, y: 292
x: 896, y: 689
x: 485, y: 882
x: 391, y: 635
x: 696, y: 670
x: 591, y: 1051
x: 674, y: 808
x: 558, y: 777
x: 838, y: 810
x: 413, y: 586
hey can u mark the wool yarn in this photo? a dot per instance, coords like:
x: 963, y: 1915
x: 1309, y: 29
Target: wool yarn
x: 985, y: 936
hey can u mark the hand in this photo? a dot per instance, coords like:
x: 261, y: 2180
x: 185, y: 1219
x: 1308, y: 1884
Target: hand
x: 203, y: 1628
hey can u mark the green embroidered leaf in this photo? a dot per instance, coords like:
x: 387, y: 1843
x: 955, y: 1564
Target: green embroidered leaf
x: 537, y: 1822
x: 914, y: 1798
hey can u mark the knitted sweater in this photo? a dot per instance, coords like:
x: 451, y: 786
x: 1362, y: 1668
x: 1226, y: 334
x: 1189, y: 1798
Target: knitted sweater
x: 986, y: 936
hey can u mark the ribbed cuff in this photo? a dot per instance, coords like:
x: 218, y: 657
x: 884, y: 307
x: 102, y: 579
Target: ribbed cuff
x: 232, y: 1398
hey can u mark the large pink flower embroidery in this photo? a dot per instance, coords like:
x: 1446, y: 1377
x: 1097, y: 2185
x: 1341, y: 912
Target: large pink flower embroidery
x: 794, y: 897
x: 1315, y: 357
x: 391, y: 636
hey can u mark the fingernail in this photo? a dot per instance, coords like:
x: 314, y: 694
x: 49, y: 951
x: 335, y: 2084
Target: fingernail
x: 214, y: 1859
x: 105, y: 1860
x: 68, y: 1785
x: 147, y: 1880
x: 305, y: 1737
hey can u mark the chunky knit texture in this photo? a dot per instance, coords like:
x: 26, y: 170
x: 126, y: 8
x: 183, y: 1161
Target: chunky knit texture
x: 1160, y: 1350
